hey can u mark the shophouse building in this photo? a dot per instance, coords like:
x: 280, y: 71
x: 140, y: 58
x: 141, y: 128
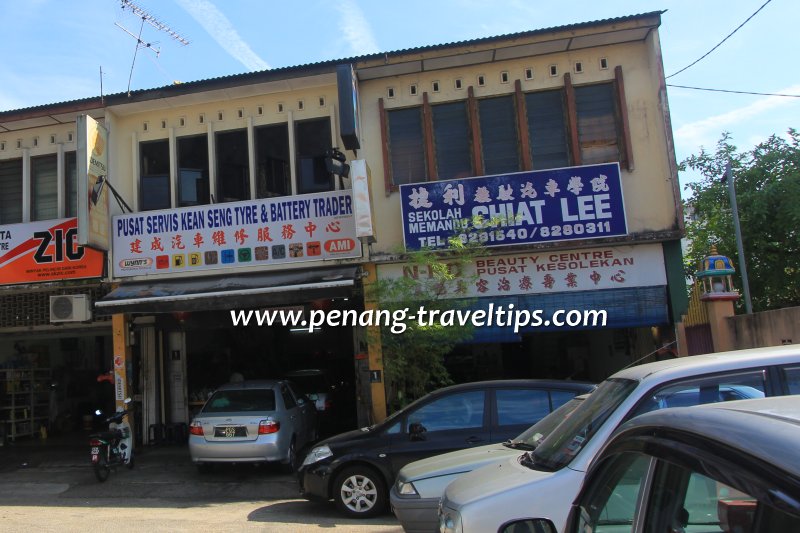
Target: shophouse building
x: 561, y: 135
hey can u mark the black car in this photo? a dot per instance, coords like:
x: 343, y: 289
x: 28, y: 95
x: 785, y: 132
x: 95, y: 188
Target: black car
x: 356, y: 468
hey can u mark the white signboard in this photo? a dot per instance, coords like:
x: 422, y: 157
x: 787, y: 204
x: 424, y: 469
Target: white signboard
x: 289, y: 229
x: 546, y: 271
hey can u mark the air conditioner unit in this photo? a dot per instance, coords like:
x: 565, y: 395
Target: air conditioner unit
x: 70, y: 308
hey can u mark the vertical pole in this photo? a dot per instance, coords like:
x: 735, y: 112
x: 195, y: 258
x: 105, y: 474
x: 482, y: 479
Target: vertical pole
x: 748, y: 304
x: 374, y: 350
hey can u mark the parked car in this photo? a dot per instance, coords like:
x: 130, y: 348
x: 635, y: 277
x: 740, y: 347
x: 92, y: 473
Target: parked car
x: 705, y: 468
x: 543, y: 482
x: 250, y: 422
x: 356, y: 468
x: 415, y: 495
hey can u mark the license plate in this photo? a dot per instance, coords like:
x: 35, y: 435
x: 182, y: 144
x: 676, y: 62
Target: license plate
x: 95, y: 451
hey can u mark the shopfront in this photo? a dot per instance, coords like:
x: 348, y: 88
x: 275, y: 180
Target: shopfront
x: 219, y: 291
x: 52, y: 347
x: 548, y: 310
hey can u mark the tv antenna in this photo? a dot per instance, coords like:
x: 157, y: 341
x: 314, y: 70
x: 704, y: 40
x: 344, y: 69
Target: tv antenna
x: 152, y: 21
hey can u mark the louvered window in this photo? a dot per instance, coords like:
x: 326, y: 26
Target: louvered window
x: 451, y: 141
x: 233, y: 166
x: 71, y: 178
x: 499, y: 135
x: 11, y: 191
x: 312, y: 140
x: 547, y: 129
x: 44, y: 177
x: 597, y: 124
x: 272, y: 161
x: 406, y: 145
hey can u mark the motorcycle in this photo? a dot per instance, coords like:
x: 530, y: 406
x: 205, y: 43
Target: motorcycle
x: 114, y: 447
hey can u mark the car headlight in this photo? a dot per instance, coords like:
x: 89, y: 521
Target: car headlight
x: 317, y: 454
x: 450, y: 521
x: 406, y: 489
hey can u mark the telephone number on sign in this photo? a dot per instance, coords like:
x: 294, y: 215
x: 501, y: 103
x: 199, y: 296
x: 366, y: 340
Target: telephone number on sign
x: 545, y: 232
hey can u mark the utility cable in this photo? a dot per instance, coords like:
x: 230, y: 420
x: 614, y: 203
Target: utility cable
x: 722, y: 41
x: 735, y: 92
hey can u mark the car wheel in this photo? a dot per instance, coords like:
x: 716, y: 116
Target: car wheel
x: 360, y: 492
x: 291, y: 458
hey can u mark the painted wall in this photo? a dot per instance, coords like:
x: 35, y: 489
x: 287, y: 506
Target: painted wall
x: 768, y: 328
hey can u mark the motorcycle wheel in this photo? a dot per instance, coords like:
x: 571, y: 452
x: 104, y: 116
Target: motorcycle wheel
x: 101, y: 469
x: 131, y: 463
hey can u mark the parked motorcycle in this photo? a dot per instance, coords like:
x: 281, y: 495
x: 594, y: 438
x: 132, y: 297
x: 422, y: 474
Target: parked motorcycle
x: 113, y: 447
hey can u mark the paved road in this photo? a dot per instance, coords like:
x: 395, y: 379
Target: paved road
x: 55, y: 490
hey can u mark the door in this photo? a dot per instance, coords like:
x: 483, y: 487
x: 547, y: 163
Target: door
x: 446, y: 423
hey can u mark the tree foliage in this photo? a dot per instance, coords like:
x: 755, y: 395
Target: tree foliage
x: 767, y: 180
x: 414, y: 359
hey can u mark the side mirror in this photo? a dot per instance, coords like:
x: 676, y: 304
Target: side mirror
x: 529, y: 525
x: 416, y: 431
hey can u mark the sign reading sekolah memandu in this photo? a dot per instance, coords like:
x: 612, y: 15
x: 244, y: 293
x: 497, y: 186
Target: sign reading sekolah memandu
x: 527, y: 207
x: 253, y: 233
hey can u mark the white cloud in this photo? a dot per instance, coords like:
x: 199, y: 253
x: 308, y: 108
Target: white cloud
x: 357, y: 31
x: 222, y: 31
x: 706, y: 132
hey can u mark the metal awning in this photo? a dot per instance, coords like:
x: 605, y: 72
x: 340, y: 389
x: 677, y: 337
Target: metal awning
x: 229, y: 292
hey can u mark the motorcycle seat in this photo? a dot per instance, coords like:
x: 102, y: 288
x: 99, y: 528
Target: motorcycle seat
x: 106, y: 435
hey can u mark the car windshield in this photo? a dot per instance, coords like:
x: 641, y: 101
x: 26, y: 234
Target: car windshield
x: 241, y: 400
x: 558, y: 448
x: 533, y: 436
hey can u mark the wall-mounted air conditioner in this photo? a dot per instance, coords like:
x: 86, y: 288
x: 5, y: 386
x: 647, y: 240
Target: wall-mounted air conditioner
x: 70, y: 308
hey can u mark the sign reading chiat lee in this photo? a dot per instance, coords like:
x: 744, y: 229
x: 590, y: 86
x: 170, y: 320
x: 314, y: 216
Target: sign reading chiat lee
x: 526, y: 207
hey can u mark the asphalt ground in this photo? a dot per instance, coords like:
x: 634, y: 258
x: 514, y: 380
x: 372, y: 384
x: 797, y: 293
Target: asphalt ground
x: 49, y: 485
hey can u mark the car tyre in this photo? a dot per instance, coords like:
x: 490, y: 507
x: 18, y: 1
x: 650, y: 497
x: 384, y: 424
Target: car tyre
x: 291, y: 458
x: 360, y: 492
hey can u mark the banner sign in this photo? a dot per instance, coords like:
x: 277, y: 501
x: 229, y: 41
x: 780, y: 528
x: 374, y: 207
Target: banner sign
x: 47, y: 250
x: 610, y: 267
x: 93, y: 211
x: 527, y: 207
x: 288, y: 229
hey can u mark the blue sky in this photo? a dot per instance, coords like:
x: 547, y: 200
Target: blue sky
x: 54, y: 48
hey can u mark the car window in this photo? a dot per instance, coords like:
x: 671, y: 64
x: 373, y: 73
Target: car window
x: 288, y: 399
x: 241, y: 400
x: 559, y: 398
x: 565, y: 442
x: 537, y: 432
x: 712, y: 389
x: 521, y: 406
x: 610, y: 505
x: 792, y: 375
x: 686, y: 501
x: 455, y: 411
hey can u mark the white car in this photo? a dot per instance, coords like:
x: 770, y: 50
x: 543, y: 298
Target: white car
x: 419, y: 487
x: 544, y: 482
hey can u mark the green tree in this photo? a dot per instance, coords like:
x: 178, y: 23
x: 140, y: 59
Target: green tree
x: 414, y: 358
x: 767, y: 182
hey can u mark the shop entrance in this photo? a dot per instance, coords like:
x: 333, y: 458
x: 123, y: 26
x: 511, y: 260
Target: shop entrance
x: 318, y: 362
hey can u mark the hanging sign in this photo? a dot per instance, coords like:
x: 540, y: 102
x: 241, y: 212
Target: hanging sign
x: 527, y: 207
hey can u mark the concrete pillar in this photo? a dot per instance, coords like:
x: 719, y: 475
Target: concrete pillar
x: 374, y: 351
x: 718, y: 313
x: 122, y: 357
x: 682, y: 347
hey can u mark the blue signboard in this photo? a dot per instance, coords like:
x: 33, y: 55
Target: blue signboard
x: 526, y: 207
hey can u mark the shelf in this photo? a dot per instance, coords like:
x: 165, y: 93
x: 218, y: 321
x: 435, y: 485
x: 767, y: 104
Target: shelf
x: 28, y: 398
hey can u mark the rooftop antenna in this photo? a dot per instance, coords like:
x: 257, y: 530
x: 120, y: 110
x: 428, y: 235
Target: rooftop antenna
x: 152, y: 21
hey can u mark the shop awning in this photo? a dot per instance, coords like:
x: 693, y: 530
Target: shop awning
x: 229, y: 292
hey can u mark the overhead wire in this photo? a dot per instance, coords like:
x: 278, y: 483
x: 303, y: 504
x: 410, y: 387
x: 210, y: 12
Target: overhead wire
x: 722, y: 41
x: 732, y: 91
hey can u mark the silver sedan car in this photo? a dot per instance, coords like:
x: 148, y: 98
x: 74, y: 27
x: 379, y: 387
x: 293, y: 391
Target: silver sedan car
x: 252, y: 422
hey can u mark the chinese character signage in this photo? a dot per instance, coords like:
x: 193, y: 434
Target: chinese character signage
x: 542, y: 272
x: 527, y: 207
x: 93, y: 213
x: 289, y: 229
x: 47, y: 250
